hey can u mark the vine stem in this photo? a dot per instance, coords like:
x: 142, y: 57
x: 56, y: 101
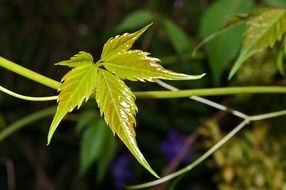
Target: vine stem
x: 210, y: 151
x: 29, y: 98
x: 148, y: 94
x: 29, y: 74
x: 26, y: 120
x: 211, y: 92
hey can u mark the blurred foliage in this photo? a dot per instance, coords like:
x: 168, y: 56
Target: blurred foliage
x: 251, y: 160
x: 96, y: 140
x: 264, y: 75
x: 37, y: 33
x: 265, y: 27
x: 222, y: 49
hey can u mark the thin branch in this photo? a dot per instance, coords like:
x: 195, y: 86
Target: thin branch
x: 205, y: 101
x: 10, y: 174
x: 211, y: 37
x: 268, y: 115
x: 195, y: 163
x: 182, y: 153
x: 29, y: 98
x: 10, y: 170
x: 42, y: 180
x: 186, y: 149
x: 210, y: 151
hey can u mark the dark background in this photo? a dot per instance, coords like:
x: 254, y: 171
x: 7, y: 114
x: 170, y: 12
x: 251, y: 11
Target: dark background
x: 36, y: 34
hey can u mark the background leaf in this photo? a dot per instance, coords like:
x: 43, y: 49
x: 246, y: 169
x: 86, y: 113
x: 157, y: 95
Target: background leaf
x: 85, y: 119
x: 109, y: 153
x: 280, y: 62
x: 222, y: 49
x: 136, y: 65
x: 263, y: 31
x: 97, y: 145
x: 116, y: 102
x: 135, y: 20
x: 179, y: 38
x: 78, y: 84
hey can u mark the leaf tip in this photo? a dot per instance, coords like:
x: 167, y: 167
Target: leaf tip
x: 149, y: 25
x: 194, y: 53
x: 230, y: 76
x: 156, y: 175
x: 52, y: 130
x: 202, y: 75
x: 48, y: 140
x: 195, y: 77
x: 50, y: 135
x: 145, y: 28
x: 232, y: 72
x: 148, y: 167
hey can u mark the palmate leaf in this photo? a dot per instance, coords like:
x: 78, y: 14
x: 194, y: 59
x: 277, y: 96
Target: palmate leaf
x: 116, y: 103
x: 265, y: 28
x: 77, y: 86
x: 114, y: 98
x: 137, y: 65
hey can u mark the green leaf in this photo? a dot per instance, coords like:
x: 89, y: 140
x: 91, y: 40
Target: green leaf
x: 221, y: 50
x: 135, y: 20
x: 137, y: 65
x: 233, y: 22
x: 77, y: 86
x: 85, y: 119
x: 121, y: 43
x: 180, y: 40
x: 263, y: 31
x: 79, y: 59
x: 117, y: 104
x: 236, y: 19
x: 109, y: 153
x: 284, y: 45
x: 93, y: 144
x: 280, y: 62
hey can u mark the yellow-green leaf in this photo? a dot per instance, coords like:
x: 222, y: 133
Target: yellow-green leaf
x: 284, y: 45
x: 264, y: 30
x: 121, y: 43
x: 103, y: 79
x: 137, y: 65
x: 280, y: 61
x: 78, y: 60
x: 77, y: 86
x: 117, y: 104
